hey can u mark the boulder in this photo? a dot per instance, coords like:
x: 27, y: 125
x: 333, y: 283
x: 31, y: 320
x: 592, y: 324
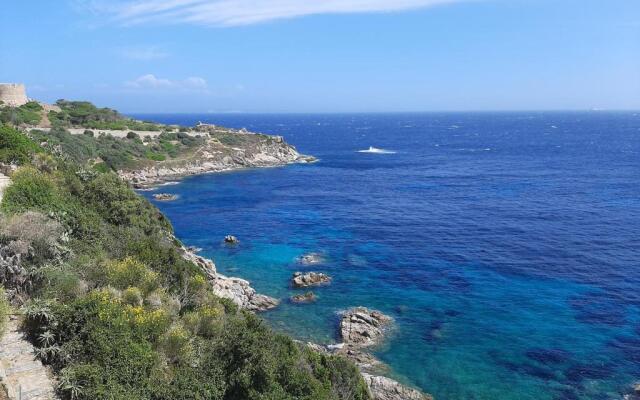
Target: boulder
x: 310, y: 279
x: 230, y: 239
x: 308, y: 297
x: 241, y: 293
x: 362, y: 327
x: 383, y: 388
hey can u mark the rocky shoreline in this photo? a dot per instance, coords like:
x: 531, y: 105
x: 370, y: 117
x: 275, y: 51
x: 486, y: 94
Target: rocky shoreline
x: 257, y: 151
x: 238, y: 290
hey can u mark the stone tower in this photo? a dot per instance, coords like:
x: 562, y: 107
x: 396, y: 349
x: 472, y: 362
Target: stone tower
x: 13, y: 94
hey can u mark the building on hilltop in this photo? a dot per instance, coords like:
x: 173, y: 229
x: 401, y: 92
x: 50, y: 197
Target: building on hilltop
x: 13, y: 94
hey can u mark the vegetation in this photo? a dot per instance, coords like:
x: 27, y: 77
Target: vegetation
x: 15, y: 148
x: 87, y: 115
x: 106, y: 152
x: 116, y: 310
x: 29, y: 114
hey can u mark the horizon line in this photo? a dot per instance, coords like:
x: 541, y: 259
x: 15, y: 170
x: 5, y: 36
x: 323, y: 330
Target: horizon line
x: 571, y: 110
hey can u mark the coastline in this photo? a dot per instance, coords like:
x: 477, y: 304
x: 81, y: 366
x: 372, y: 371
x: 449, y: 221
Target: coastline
x: 262, y: 152
x: 153, y: 177
x: 241, y: 293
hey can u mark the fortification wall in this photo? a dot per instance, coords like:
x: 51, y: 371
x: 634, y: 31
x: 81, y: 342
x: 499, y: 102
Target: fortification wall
x: 13, y: 94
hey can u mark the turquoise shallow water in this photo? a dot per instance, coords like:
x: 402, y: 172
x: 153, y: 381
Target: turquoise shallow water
x: 506, y: 246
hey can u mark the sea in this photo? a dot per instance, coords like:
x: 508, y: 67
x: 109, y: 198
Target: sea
x: 506, y: 246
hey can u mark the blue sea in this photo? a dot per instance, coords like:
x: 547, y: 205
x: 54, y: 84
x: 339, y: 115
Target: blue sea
x: 506, y: 246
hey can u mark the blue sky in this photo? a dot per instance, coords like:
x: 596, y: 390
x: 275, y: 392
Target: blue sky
x: 325, y: 55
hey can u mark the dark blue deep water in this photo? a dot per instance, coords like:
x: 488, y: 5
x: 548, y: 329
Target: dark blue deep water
x: 505, y: 245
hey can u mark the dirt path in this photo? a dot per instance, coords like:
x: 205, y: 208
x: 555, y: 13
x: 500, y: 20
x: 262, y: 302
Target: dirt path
x: 21, y: 373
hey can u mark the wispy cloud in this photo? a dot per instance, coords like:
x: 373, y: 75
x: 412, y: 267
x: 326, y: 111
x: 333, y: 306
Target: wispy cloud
x: 151, y: 82
x: 243, y: 12
x: 143, y: 53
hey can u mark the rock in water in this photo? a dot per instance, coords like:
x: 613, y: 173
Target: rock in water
x: 363, y: 327
x: 310, y: 279
x: 308, y: 297
x: 383, y: 388
x: 165, y: 196
x: 231, y: 239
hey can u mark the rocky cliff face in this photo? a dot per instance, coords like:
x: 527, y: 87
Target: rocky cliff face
x: 222, y: 151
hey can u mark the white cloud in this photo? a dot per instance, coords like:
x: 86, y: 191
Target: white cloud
x: 150, y: 81
x: 143, y: 53
x: 244, y: 12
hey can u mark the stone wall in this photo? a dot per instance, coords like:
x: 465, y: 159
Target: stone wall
x: 13, y: 94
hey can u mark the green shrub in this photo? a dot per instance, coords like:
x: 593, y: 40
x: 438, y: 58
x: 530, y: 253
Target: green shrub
x: 15, y: 147
x: 30, y: 189
x: 131, y: 272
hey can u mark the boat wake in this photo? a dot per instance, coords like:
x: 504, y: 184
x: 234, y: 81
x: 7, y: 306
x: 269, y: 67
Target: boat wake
x: 376, y: 150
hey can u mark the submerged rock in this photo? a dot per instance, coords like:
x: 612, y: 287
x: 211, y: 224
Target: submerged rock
x: 311, y: 258
x: 383, y: 388
x: 230, y: 239
x: 363, y: 327
x: 308, y: 297
x: 165, y: 196
x: 310, y: 279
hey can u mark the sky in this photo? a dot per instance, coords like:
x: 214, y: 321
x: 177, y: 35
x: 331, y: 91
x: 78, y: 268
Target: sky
x: 325, y: 55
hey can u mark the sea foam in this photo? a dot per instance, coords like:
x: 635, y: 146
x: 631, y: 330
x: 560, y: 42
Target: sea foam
x: 376, y: 150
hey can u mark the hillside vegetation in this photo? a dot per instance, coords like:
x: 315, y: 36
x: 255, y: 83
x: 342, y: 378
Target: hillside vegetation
x: 105, y: 152
x: 114, y: 308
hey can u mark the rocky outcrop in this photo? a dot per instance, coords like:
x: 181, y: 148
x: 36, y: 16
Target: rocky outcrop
x: 309, y: 279
x: 383, y: 388
x: 21, y: 373
x: 223, y: 151
x: 165, y: 196
x: 633, y: 392
x: 241, y: 293
x: 235, y: 289
x: 308, y: 297
x: 361, y: 327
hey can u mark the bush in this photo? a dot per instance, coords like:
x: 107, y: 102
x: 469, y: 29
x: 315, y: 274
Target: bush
x: 132, y: 135
x: 131, y: 273
x: 30, y: 189
x: 15, y: 147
